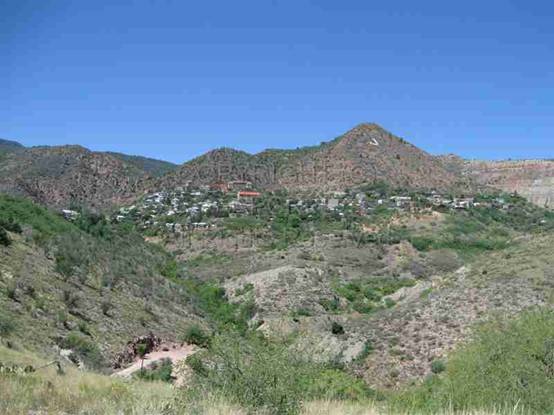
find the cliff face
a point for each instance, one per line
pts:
(533, 179)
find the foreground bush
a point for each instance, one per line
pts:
(264, 376)
(510, 364)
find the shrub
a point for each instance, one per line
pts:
(6, 325)
(337, 329)
(195, 335)
(4, 238)
(85, 349)
(366, 351)
(509, 364)
(157, 372)
(10, 225)
(330, 305)
(11, 290)
(437, 366)
(257, 374)
(265, 377)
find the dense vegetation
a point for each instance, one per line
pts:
(262, 375)
(510, 364)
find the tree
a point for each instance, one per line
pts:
(142, 349)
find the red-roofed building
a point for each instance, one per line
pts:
(246, 196)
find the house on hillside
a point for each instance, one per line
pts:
(245, 196)
(463, 203)
(70, 214)
(402, 201)
(220, 186)
(239, 185)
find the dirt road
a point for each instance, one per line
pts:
(175, 354)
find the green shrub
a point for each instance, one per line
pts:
(258, 375)
(4, 238)
(85, 349)
(157, 372)
(334, 384)
(265, 377)
(330, 305)
(509, 364)
(11, 225)
(194, 334)
(337, 329)
(437, 366)
(7, 325)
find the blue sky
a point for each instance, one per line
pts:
(172, 79)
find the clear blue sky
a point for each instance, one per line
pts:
(172, 79)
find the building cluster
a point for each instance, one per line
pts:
(191, 206)
(196, 208)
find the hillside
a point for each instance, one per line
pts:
(84, 285)
(150, 166)
(364, 154)
(8, 146)
(69, 175)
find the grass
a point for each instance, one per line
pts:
(509, 364)
(86, 393)
(76, 391)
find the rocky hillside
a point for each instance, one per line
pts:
(84, 285)
(9, 146)
(66, 175)
(533, 179)
(364, 154)
(152, 167)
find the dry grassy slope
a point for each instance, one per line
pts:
(431, 323)
(364, 154)
(47, 392)
(59, 176)
(428, 320)
(41, 314)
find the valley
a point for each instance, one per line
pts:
(356, 273)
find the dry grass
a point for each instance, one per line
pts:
(349, 408)
(79, 392)
(76, 391)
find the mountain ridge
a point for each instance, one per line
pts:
(59, 176)
(366, 153)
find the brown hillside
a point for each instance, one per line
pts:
(364, 154)
(61, 176)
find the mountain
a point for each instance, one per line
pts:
(68, 175)
(148, 165)
(8, 146)
(367, 153)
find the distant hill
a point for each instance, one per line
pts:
(150, 166)
(8, 145)
(65, 175)
(364, 154)
(69, 175)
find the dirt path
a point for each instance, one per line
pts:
(174, 354)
